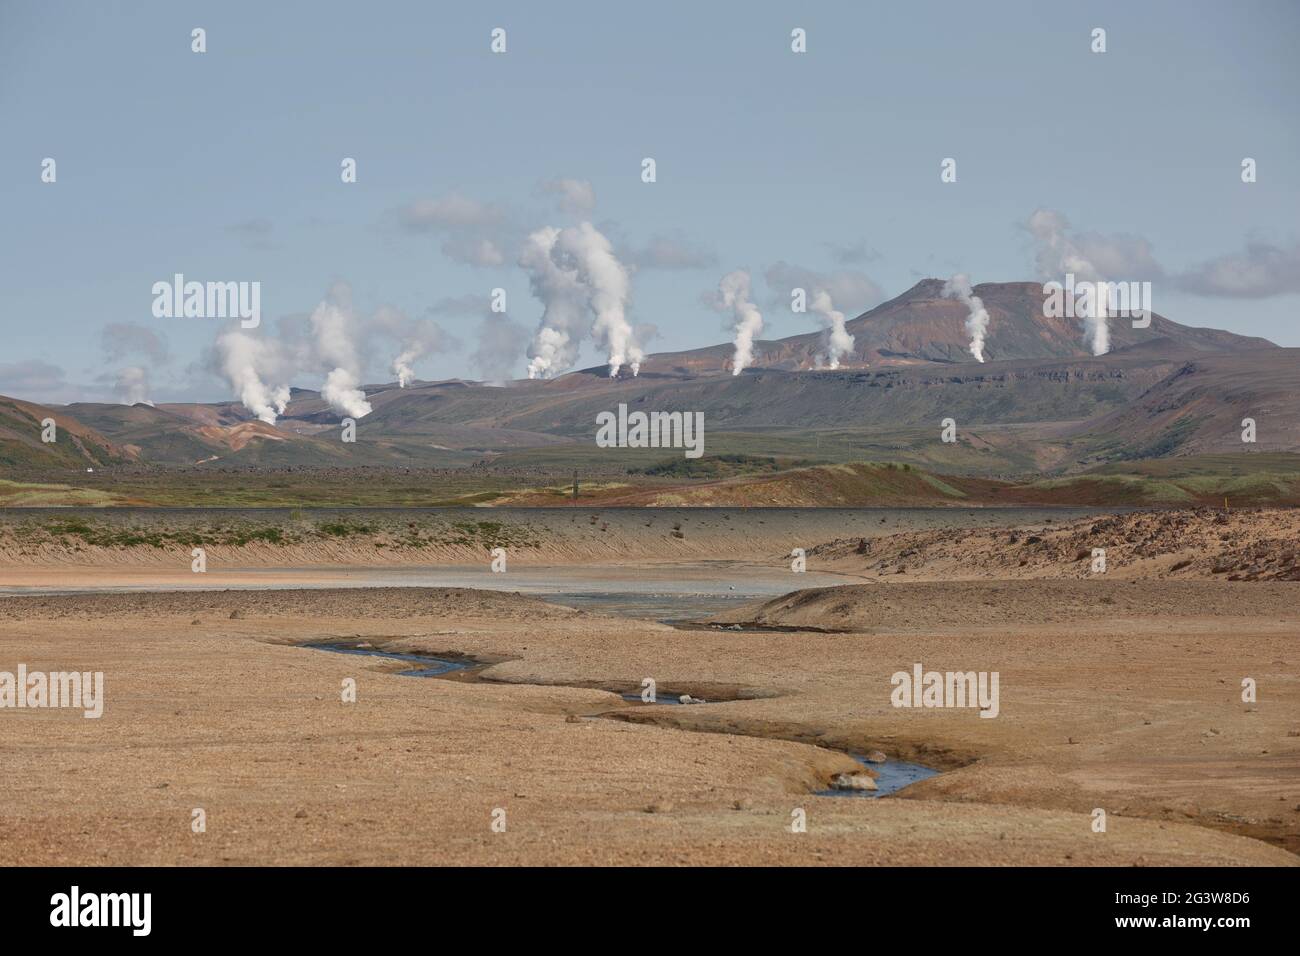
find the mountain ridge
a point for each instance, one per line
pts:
(1169, 389)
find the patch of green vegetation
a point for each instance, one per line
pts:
(1169, 441)
(938, 484)
(719, 466)
(1119, 489)
(489, 535)
(31, 494)
(343, 529)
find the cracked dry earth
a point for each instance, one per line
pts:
(1132, 706)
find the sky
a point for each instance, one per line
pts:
(819, 168)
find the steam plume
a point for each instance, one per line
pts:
(415, 339)
(838, 340)
(132, 385)
(333, 324)
(246, 362)
(747, 321)
(1059, 253)
(608, 287)
(977, 321)
(563, 297)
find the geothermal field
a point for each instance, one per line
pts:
(444, 440)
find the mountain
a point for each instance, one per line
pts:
(924, 326)
(75, 446)
(1199, 408)
(1166, 390)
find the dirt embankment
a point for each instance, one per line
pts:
(1253, 545)
(977, 606)
(376, 538)
(382, 537)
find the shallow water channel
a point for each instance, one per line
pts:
(891, 776)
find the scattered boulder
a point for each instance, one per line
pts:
(853, 781)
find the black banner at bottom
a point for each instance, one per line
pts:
(338, 905)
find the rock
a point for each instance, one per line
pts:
(744, 803)
(688, 699)
(853, 781)
(236, 615)
(875, 756)
(196, 621)
(300, 815)
(659, 806)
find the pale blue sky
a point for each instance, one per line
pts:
(225, 165)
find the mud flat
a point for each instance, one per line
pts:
(209, 707)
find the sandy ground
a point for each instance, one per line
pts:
(1131, 705)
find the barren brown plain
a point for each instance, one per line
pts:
(1120, 691)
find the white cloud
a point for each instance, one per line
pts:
(1262, 270)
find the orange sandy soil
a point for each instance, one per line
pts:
(1132, 705)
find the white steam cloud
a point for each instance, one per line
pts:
(1059, 252)
(329, 344)
(571, 271)
(132, 385)
(415, 339)
(248, 363)
(977, 319)
(747, 321)
(333, 325)
(838, 340)
(608, 289)
(555, 345)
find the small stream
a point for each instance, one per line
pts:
(434, 666)
(891, 776)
